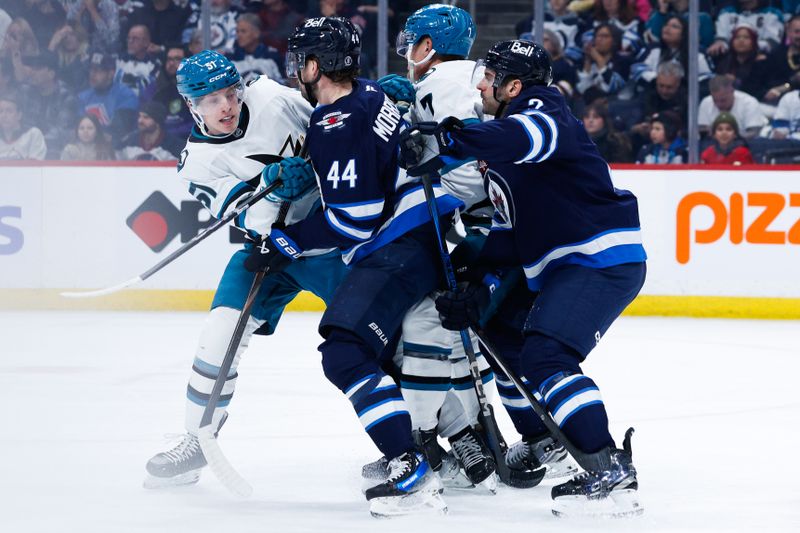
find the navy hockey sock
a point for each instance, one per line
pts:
(575, 403)
(383, 413)
(350, 365)
(572, 398)
(519, 409)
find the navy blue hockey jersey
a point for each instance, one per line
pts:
(554, 200)
(367, 198)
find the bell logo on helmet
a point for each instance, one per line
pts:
(519, 48)
(314, 23)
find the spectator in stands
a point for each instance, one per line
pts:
(278, 22)
(91, 144)
(46, 17)
(666, 94)
(70, 43)
(666, 147)
(560, 20)
(724, 97)
(252, 57)
(674, 46)
(195, 45)
(622, 15)
(786, 121)
(100, 18)
(17, 141)
(7, 83)
(150, 142)
(138, 67)
(5, 22)
(223, 25)
(113, 103)
(767, 21)
(667, 8)
(164, 90)
(165, 19)
(745, 63)
(728, 148)
(603, 68)
(48, 103)
(612, 145)
(565, 76)
(784, 62)
(20, 41)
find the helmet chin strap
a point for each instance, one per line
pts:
(309, 85)
(501, 107)
(412, 65)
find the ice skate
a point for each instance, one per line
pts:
(610, 491)
(473, 455)
(529, 454)
(413, 487)
(452, 475)
(179, 466)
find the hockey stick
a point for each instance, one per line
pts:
(255, 197)
(588, 461)
(217, 461)
(496, 443)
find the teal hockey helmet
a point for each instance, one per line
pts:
(450, 28)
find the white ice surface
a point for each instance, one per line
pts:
(87, 397)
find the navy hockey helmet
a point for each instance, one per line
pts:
(520, 59)
(333, 41)
(451, 30)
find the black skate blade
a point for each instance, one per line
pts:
(524, 479)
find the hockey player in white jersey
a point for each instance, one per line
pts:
(436, 41)
(240, 133)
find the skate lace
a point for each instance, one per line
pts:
(468, 450)
(398, 468)
(517, 453)
(186, 448)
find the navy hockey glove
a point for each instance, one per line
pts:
(463, 308)
(399, 90)
(297, 176)
(273, 254)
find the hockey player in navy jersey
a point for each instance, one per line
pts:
(558, 215)
(377, 216)
(241, 134)
(436, 41)
(435, 379)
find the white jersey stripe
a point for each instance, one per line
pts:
(596, 245)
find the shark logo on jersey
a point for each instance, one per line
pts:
(333, 120)
(503, 208)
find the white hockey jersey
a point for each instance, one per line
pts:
(447, 90)
(220, 172)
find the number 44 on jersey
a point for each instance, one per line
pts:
(349, 174)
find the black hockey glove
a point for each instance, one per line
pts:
(273, 254)
(415, 155)
(463, 308)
